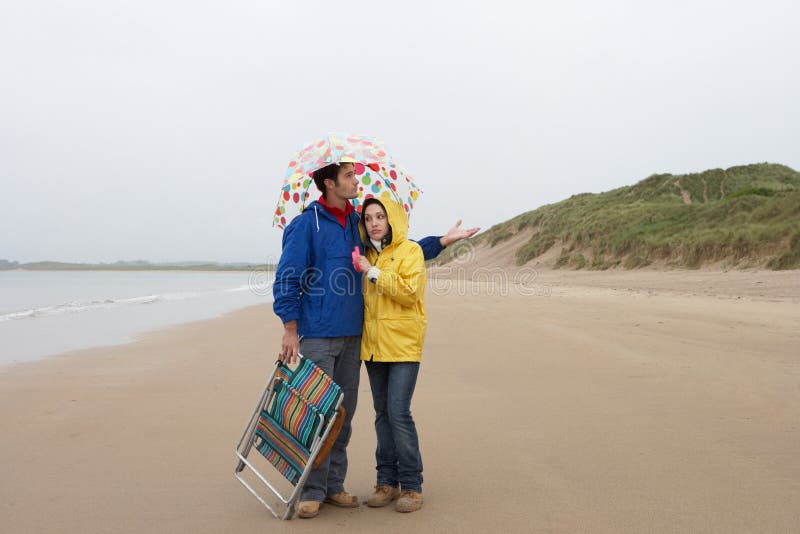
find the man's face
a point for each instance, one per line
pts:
(347, 183)
(375, 221)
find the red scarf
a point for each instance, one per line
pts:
(340, 214)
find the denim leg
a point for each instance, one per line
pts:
(339, 357)
(402, 381)
(385, 454)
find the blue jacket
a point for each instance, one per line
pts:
(316, 283)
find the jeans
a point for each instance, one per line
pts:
(399, 462)
(340, 358)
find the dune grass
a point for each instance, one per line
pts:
(746, 216)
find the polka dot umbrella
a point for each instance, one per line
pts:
(379, 176)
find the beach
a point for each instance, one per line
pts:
(636, 401)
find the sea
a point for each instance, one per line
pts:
(49, 312)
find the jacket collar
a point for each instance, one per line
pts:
(338, 213)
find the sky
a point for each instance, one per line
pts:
(161, 130)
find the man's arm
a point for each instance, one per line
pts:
(287, 288)
(432, 246)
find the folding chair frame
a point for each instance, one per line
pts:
(245, 446)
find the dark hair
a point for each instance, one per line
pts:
(328, 172)
(362, 221)
(372, 200)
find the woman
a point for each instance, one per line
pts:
(391, 345)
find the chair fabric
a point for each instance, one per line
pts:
(280, 448)
(294, 413)
(303, 402)
(316, 386)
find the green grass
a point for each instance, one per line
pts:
(746, 215)
(790, 259)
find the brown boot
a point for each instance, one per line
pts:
(383, 495)
(409, 501)
(307, 509)
(343, 499)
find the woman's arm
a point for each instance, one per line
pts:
(405, 285)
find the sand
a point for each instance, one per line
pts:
(581, 402)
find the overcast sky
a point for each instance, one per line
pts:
(160, 130)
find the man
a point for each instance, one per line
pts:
(319, 298)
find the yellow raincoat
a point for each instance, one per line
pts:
(394, 307)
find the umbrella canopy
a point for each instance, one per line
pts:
(378, 174)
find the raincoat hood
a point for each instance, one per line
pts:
(395, 214)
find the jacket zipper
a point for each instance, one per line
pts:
(377, 315)
(377, 304)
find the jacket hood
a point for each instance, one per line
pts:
(398, 221)
(319, 211)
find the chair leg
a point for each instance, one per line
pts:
(249, 431)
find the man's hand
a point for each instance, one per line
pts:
(456, 233)
(290, 344)
(363, 264)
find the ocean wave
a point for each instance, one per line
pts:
(83, 306)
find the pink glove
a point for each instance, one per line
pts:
(355, 255)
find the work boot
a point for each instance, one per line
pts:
(343, 499)
(307, 509)
(383, 495)
(409, 501)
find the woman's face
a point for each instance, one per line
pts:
(376, 222)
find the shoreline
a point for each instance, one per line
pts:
(137, 270)
(110, 340)
(47, 313)
(134, 337)
(764, 286)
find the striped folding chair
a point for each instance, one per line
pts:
(294, 425)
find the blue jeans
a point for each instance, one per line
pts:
(340, 357)
(398, 459)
